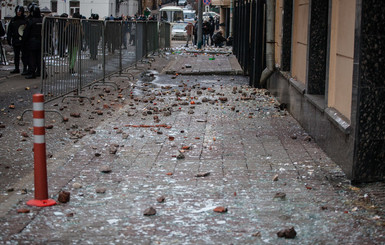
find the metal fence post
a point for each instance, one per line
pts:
(120, 48)
(80, 45)
(104, 51)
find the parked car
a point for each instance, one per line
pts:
(182, 2)
(178, 32)
(206, 15)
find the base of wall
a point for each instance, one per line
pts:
(329, 129)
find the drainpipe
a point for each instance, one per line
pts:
(270, 42)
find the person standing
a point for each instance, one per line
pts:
(15, 39)
(196, 31)
(74, 32)
(190, 30)
(212, 27)
(206, 32)
(32, 40)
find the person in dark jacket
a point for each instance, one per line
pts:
(95, 34)
(32, 39)
(196, 31)
(14, 37)
(206, 32)
(212, 28)
(25, 47)
(218, 39)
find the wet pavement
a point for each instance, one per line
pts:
(185, 145)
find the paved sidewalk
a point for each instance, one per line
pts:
(204, 64)
(201, 142)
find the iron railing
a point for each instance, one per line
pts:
(249, 37)
(77, 53)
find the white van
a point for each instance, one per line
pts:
(171, 14)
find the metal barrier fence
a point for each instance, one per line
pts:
(77, 53)
(164, 35)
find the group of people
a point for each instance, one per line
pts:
(209, 37)
(24, 35)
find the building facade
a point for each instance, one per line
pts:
(328, 60)
(103, 8)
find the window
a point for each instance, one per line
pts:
(74, 7)
(54, 6)
(26, 2)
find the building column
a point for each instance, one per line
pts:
(368, 102)
(222, 19)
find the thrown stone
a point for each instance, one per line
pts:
(275, 178)
(201, 120)
(97, 154)
(64, 197)
(307, 138)
(220, 210)
(105, 169)
(287, 233)
(113, 150)
(293, 136)
(24, 134)
(223, 99)
(180, 156)
(161, 199)
(280, 195)
(149, 211)
(101, 190)
(256, 234)
(23, 211)
(77, 185)
(203, 174)
(75, 114)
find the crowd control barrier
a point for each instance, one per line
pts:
(77, 52)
